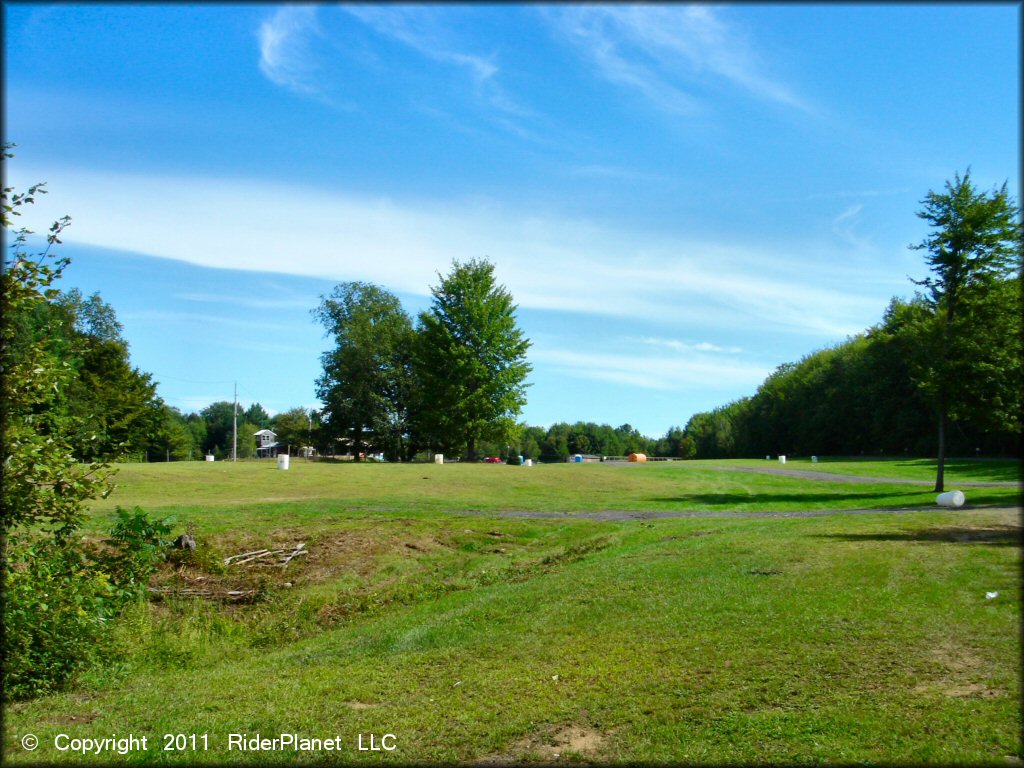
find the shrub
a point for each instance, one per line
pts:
(59, 600)
(140, 544)
(56, 606)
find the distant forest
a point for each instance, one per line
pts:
(867, 397)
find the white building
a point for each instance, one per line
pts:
(266, 444)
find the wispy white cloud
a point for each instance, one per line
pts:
(176, 319)
(650, 371)
(261, 303)
(424, 30)
(419, 28)
(284, 48)
(671, 54)
(856, 193)
(614, 172)
(547, 261)
(844, 225)
(682, 346)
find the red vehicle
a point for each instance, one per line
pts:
(492, 460)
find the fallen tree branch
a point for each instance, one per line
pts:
(299, 550)
(244, 554)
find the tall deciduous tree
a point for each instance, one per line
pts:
(975, 242)
(470, 360)
(365, 385)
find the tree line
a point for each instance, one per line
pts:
(940, 374)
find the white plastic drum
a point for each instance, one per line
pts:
(950, 499)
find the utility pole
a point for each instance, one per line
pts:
(234, 444)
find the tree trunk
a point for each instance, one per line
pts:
(947, 330)
(471, 450)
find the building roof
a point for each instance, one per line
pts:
(265, 432)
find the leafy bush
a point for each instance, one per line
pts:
(56, 606)
(140, 545)
(59, 600)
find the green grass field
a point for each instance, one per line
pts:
(485, 613)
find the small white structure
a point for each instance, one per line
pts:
(814, 459)
(209, 457)
(439, 458)
(782, 459)
(282, 461)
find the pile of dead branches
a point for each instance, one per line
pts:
(268, 557)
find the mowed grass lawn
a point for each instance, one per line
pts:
(427, 610)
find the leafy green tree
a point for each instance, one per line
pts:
(470, 361)
(112, 408)
(975, 241)
(219, 418)
(555, 445)
(43, 482)
(675, 444)
(115, 404)
(196, 426)
(56, 603)
(255, 414)
(293, 428)
(246, 439)
(366, 382)
(174, 441)
(530, 441)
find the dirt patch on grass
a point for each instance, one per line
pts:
(554, 743)
(961, 668)
(959, 690)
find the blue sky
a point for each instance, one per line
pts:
(679, 197)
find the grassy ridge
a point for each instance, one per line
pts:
(841, 638)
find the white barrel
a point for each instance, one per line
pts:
(439, 458)
(950, 499)
(528, 463)
(209, 457)
(282, 461)
(782, 459)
